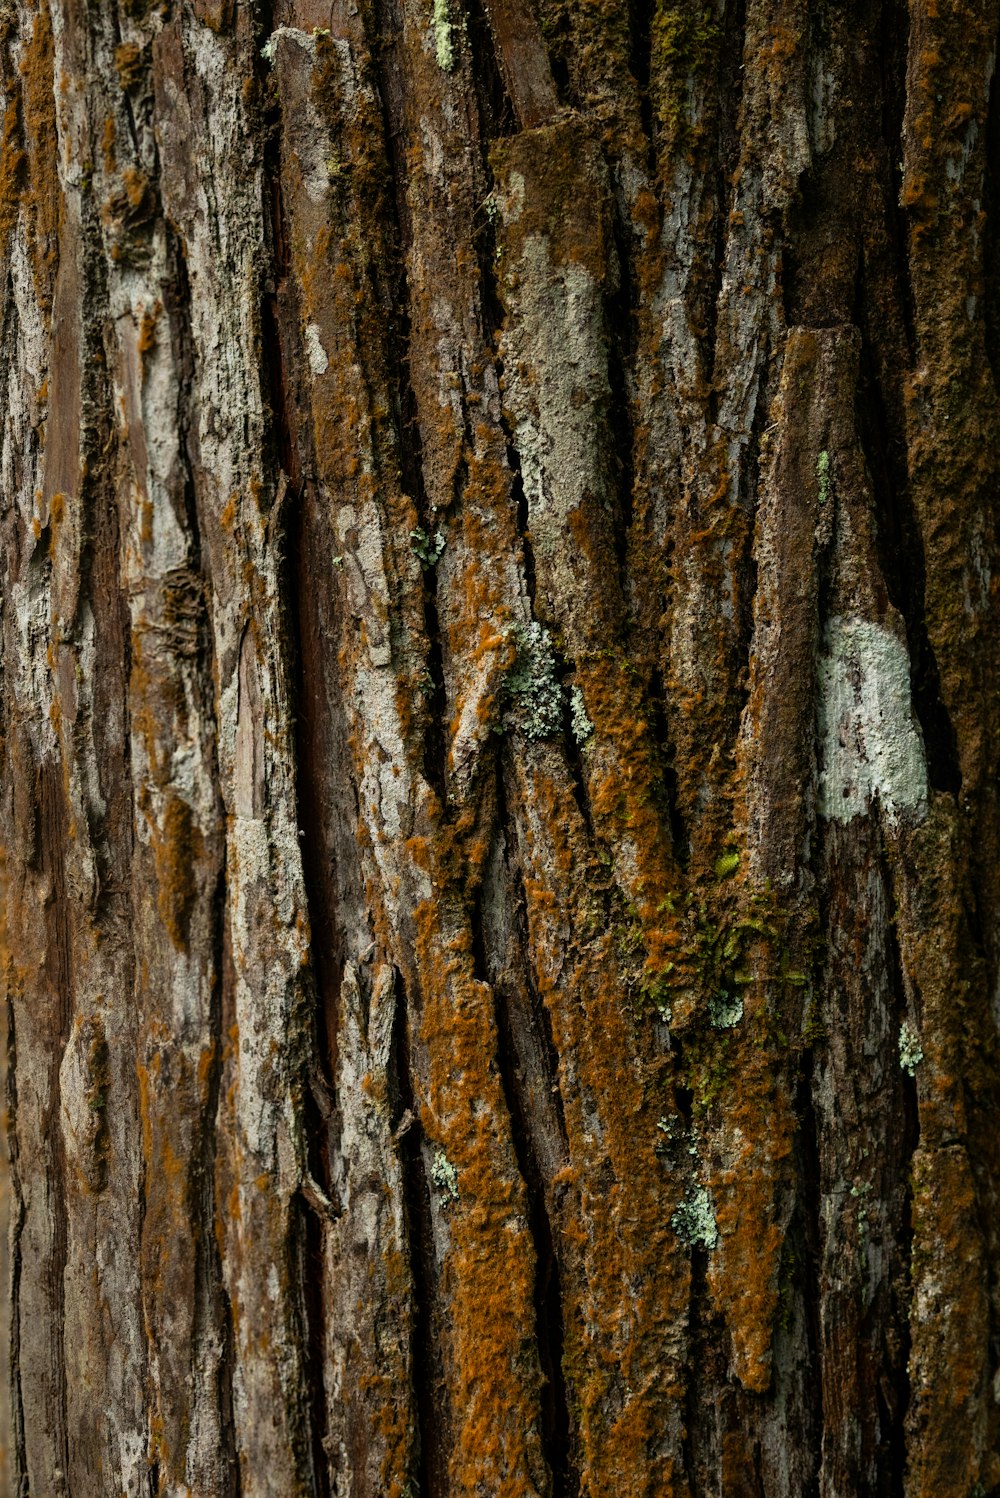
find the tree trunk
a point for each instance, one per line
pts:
(500, 728)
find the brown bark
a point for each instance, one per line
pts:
(499, 721)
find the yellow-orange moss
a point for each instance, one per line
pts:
(12, 161)
(147, 328)
(108, 155)
(488, 1276)
(755, 1133)
(625, 1306)
(177, 846)
(128, 64)
(949, 1365)
(43, 195)
(628, 799)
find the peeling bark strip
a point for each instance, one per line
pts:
(498, 811)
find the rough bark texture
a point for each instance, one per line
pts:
(500, 728)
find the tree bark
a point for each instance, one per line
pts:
(500, 736)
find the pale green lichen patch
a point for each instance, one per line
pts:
(427, 547)
(445, 1176)
(869, 742)
(303, 38)
(911, 1052)
(725, 1010)
(582, 727)
(532, 687)
(823, 476)
(684, 43)
(694, 1220)
(444, 36)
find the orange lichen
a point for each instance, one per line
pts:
(108, 155)
(206, 1069)
(12, 162)
(556, 158)
(128, 64)
(147, 328)
(227, 518)
(489, 1296)
(178, 844)
(624, 1234)
(43, 196)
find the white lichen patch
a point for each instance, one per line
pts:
(911, 1052)
(583, 729)
(303, 38)
(868, 740)
(445, 1176)
(694, 1220)
(319, 362)
(509, 197)
(444, 36)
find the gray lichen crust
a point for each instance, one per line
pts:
(694, 1220)
(532, 686)
(911, 1052)
(869, 741)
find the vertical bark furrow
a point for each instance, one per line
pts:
(178, 864)
(242, 506)
(304, 580)
(901, 562)
(528, 1068)
(17, 1459)
(944, 167)
(431, 1392)
(51, 1231)
(617, 1367)
(891, 1377)
(430, 498)
(44, 875)
(353, 458)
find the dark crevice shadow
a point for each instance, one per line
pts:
(278, 319)
(429, 1388)
(901, 559)
(893, 1390)
(726, 153)
(991, 231)
(656, 706)
(697, 1305)
(387, 23)
(497, 116)
(804, 1231)
(620, 317)
(17, 1218)
(528, 1065)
